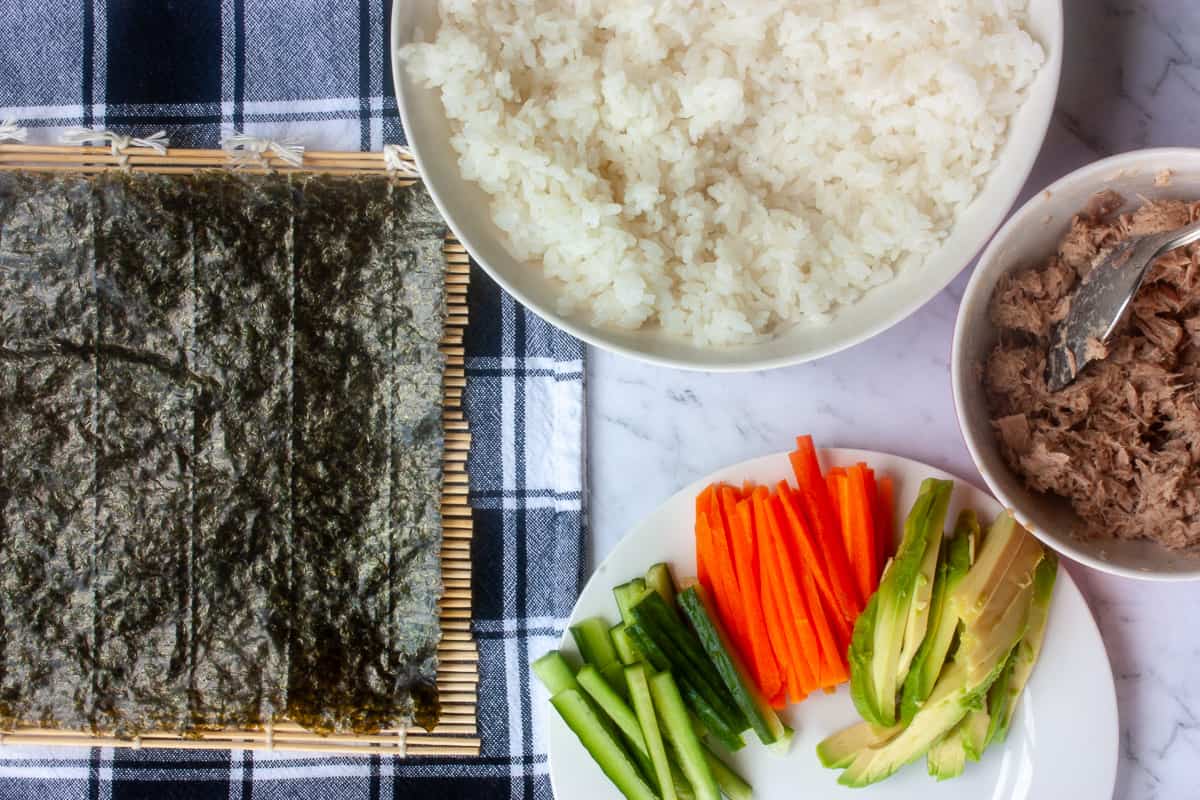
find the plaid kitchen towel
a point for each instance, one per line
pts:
(318, 71)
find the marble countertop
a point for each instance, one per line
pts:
(1131, 79)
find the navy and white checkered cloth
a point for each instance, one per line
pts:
(319, 72)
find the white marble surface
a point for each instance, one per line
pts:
(1131, 79)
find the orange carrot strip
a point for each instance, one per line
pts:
(807, 553)
(831, 481)
(877, 529)
(725, 578)
(782, 638)
(885, 515)
(802, 642)
(704, 500)
(704, 555)
(833, 667)
(779, 701)
(858, 511)
(820, 513)
(745, 560)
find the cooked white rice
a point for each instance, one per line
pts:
(725, 167)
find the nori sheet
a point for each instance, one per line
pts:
(220, 397)
(48, 457)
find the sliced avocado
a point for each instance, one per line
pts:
(952, 698)
(943, 621)
(839, 750)
(893, 603)
(973, 730)
(995, 571)
(981, 648)
(1028, 649)
(947, 758)
(921, 607)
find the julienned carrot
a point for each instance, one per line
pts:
(704, 556)
(809, 555)
(833, 667)
(860, 527)
(745, 560)
(802, 643)
(726, 499)
(841, 504)
(885, 516)
(832, 478)
(819, 509)
(785, 642)
(876, 527)
(724, 578)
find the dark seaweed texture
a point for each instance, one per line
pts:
(220, 402)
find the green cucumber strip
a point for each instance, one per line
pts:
(732, 785)
(583, 720)
(554, 671)
(673, 715)
(687, 658)
(658, 578)
(677, 633)
(643, 706)
(619, 712)
(627, 594)
(696, 700)
(698, 609)
(594, 643)
(627, 651)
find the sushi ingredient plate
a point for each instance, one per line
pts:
(1063, 741)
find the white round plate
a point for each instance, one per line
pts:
(1063, 741)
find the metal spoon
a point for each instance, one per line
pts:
(1102, 300)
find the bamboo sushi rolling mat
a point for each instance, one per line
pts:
(458, 655)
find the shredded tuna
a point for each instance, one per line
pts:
(1122, 443)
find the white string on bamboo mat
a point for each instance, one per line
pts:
(10, 131)
(246, 150)
(399, 160)
(118, 142)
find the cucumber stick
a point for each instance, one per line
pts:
(687, 657)
(554, 671)
(698, 608)
(619, 712)
(627, 595)
(658, 578)
(627, 651)
(732, 785)
(596, 647)
(697, 700)
(594, 642)
(643, 706)
(671, 711)
(583, 720)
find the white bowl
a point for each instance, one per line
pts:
(465, 207)
(1029, 236)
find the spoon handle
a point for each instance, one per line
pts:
(1179, 238)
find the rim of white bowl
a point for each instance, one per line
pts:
(736, 361)
(959, 374)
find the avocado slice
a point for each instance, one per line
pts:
(1005, 562)
(952, 698)
(877, 645)
(974, 730)
(947, 758)
(1025, 655)
(839, 750)
(943, 621)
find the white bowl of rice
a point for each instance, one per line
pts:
(725, 184)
